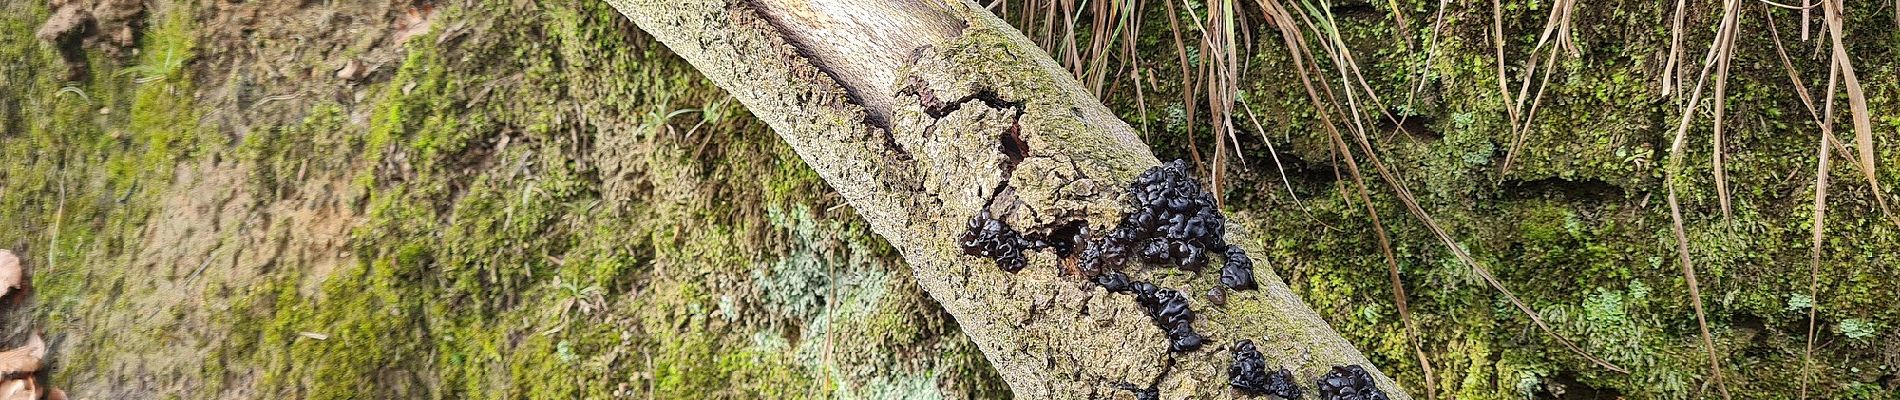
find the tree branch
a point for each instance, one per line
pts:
(921, 113)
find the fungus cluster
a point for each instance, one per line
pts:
(1169, 310)
(1249, 374)
(1349, 383)
(988, 237)
(1173, 222)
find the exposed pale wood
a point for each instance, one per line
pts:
(904, 108)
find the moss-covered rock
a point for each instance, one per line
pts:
(1577, 225)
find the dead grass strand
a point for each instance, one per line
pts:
(1861, 119)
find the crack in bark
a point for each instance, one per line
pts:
(873, 118)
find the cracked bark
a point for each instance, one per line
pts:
(857, 87)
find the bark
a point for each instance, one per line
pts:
(920, 113)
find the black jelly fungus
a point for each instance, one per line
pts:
(1237, 272)
(1182, 338)
(1140, 392)
(1113, 281)
(1169, 310)
(986, 236)
(1249, 374)
(1349, 382)
(1148, 394)
(1171, 221)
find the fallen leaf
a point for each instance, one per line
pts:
(23, 359)
(413, 22)
(55, 394)
(10, 273)
(353, 70)
(20, 389)
(314, 335)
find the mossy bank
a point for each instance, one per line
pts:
(513, 201)
(531, 200)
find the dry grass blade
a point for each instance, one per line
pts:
(1049, 27)
(1221, 70)
(1409, 200)
(1188, 85)
(1069, 52)
(1431, 52)
(1274, 154)
(1556, 35)
(1671, 174)
(1095, 71)
(1404, 26)
(1814, 261)
(1821, 173)
(1350, 72)
(1856, 103)
(1294, 41)
(1392, 269)
(1411, 204)
(1807, 14)
(1141, 100)
(1695, 292)
(1724, 52)
(1497, 41)
(1672, 70)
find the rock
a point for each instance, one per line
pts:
(65, 22)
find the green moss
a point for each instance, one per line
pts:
(85, 161)
(501, 245)
(1577, 226)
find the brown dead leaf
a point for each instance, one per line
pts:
(413, 22)
(352, 70)
(10, 274)
(19, 389)
(23, 359)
